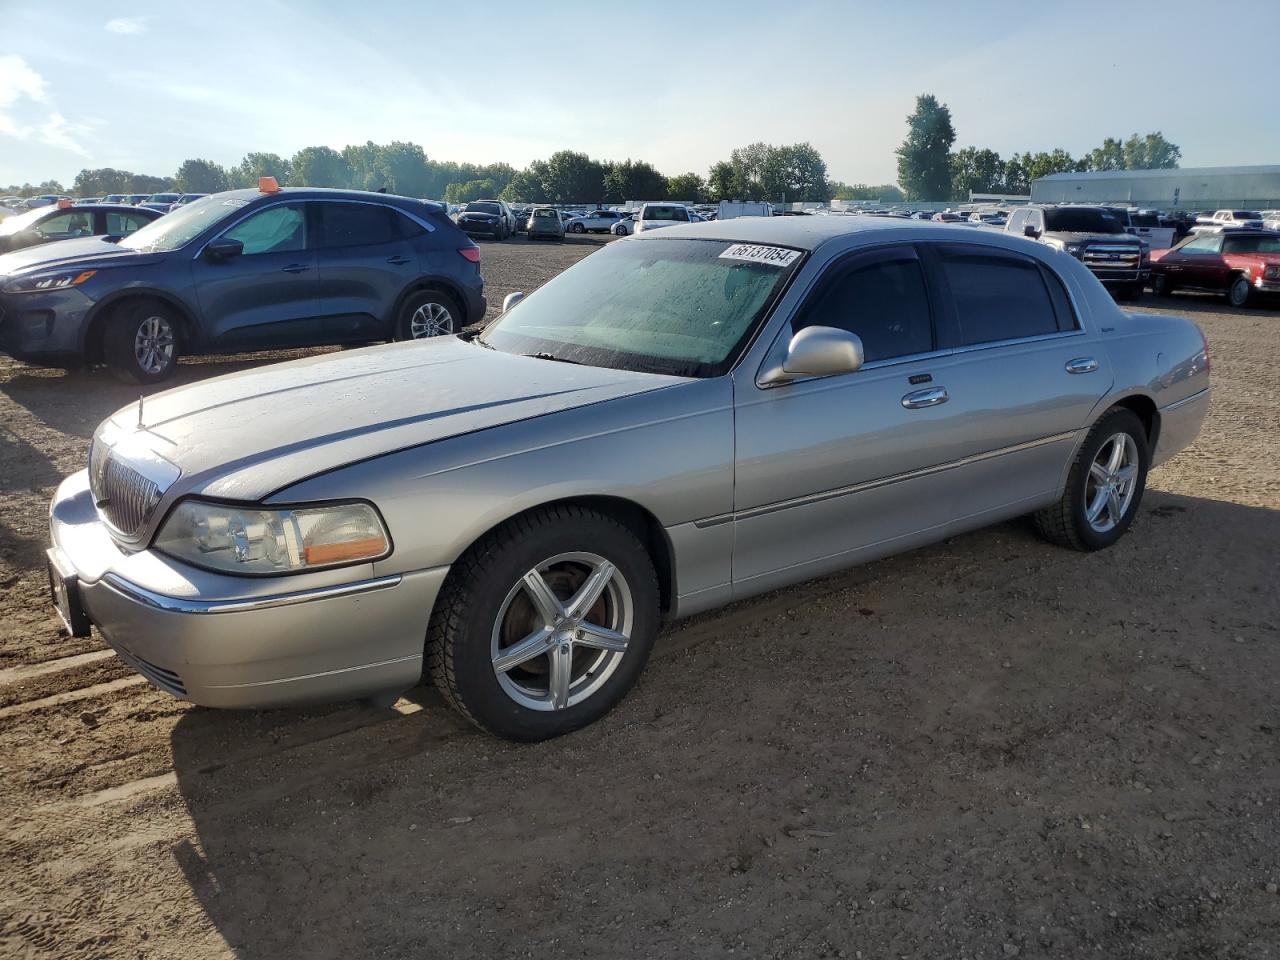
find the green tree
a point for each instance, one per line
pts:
(319, 167)
(924, 159)
(1042, 164)
(884, 192)
(975, 170)
(686, 186)
(471, 190)
(573, 177)
(247, 172)
(526, 186)
(1150, 152)
(200, 176)
(800, 172)
(633, 180)
(365, 166)
(1109, 156)
(723, 182)
(106, 180)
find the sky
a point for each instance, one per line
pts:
(144, 85)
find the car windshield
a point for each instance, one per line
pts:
(1255, 244)
(179, 228)
(16, 224)
(482, 208)
(1246, 215)
(665, 213)
(682, 307)
(1081, 220)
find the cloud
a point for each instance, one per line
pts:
(27, 111)
(127, 25)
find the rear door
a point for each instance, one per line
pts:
(266, 296)
(367, 258)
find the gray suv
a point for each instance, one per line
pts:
(1095, 237)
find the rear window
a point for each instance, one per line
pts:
(544, 215)
(1081, 220)
(665, 213)
(997, 297)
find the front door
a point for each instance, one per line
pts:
(267, 295)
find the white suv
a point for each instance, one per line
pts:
(655, 215)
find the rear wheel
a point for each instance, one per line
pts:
(140, 344)
(428, 313)
(1240, 292)
(545, 624)
(1104, 487)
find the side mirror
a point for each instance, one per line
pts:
(817, 352)
(511, 299)
(224, 248)
(1031, 231)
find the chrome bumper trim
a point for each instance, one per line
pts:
(170, 604)
(1185, 400)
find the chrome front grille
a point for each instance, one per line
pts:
(125, 498)
(1112, 256)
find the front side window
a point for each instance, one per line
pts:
(884, 303)
(996, 297)
(355, 225)
(683, 307)
(1204, 243)
(278, 229)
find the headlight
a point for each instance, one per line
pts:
(55, 282)
(1271, 271)
(256, 540)
(1073, 248)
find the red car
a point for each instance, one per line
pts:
(1238, 263)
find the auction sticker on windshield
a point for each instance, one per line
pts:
(756, 253)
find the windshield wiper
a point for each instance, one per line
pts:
(552, 356)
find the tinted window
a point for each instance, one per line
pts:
(355, 225)
(997, 297)
(278, 229)
(1247, 215)
(123, 224)
(1081, 220)
(884, 303)
(64, 225)
(665, 213)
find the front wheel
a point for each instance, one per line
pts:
(1104, 487)
(544, 624)
(140, 344)
(578, 228)
(1161, 286)
(428, 313)
(1240, 292)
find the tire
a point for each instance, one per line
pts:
(1068, 522)
(1160, 285)
(140, 343)
(486, 609)
(428, 313)
(1239, 293)
(578, 228)
(1130, 292)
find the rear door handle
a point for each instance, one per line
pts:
(297, 268)
(398, 260)
(925, 398)
(1082, 365)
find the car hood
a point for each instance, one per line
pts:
(246, 435)
(1072, 236)
(87, 252)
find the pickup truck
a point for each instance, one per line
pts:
(1095, 237)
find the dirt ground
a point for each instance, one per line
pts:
(988, 748)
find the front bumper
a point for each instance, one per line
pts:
(224, 641)
(43, 327)
(1263, 285)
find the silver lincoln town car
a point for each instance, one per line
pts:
(682, 419)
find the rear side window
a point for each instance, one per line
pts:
(884, 303)
(355, 225)
(997, 297)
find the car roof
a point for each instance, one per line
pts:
(322, 193)
(809, 233)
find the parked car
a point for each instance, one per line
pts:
(68, 222)
(545, 222)
(652, 216)
(1145, 224)
(242, 270)
(1271, 219)
(598, 221)
(44, 200)
(488, 218)
(1240, 264)
(161, 201)
(731, 209)
(133, 199)
(186, 198)
(116, 198)
(625, 226)
(1229, 219)
(949, 216)
(1093, 236)
(700, 414)
(82, 201)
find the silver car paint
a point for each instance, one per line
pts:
(449, 439)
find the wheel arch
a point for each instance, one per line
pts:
(1145, 409)
(438, 284)
(95, 327)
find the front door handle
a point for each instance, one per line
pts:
(925, 398)
(1082, 365)
(398, 260)
(297, 268)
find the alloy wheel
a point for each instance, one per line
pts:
(562, 631)
(153, 345)
(430, 320)
(1112, 481)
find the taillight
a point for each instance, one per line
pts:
(471, 253)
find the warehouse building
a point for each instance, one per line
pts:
(1189, 188)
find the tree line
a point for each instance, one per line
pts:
(928, 168)
(758, 171)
